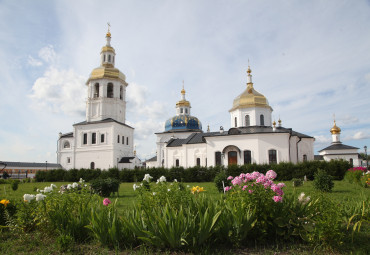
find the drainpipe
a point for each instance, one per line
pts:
(300, 139)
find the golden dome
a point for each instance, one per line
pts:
(335, 129)
(108, 72)
(107, 48)
(108, 34)
(250, 98)
(183, 103)
(183, 91)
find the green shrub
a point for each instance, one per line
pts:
(297, 182)
(353, 175)
(15, 184)
(104, 187)
(323, 181)
(221, 181)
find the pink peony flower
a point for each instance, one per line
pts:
(245, 187)
(271, 174)
(106, 201)
(230, 177)
(250, 191)
(277, 199)
(227, 188)
(281, 185)
(236, 181)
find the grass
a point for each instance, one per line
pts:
(343, 193)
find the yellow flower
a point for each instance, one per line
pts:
(197, 189)
(4, 202)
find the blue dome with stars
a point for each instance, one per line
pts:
(182, 123)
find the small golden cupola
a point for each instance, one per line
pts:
(335, 129)
(107, 61)
(335, 133)
(250, 97)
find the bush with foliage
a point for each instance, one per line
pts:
(323, 181)
(14, 184)
(297, 182)
(354, 174)
(104, 187)
(221, 181)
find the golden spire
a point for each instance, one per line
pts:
(249, 68)
(183, 90)
(108, 33)
(274, 123)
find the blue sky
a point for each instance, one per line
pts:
(309, 58)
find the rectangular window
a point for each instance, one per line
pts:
(68, 160)
(85, 139)
(123, 140)
(118, 139)
(177, 162)
(247, 157)
(93, 138)
(102, 138)
(127, 140)
(198, 161)
(304, 158)
(218, 158)
(272, 157)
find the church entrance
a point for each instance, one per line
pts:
(232, 157)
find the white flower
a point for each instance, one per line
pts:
(85, 185)
(48, 189)
(302, 199)
(147, 177)
(53, 186)
(161, 179)
(187, 186)
(141, 184)
(82, 180)
(38, 190)
(168, 190)
(154, 193)
(28, 197)
(69, 186)
(42, 191)
(74, 185)
(135, 186)
(40, 197)
(174, 180)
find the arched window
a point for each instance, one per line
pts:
(104, 58)
(92, 165)
(181, 110)
(351, 161)
(236, 121)
(247, 157)
(218, 158)
(110, 90)
(85, 139)
(272, 157)
(304, 158)
(262, 120)
(177, 162)
(96, 90)
(118, 139)
(186, 110)
(102, 138)
(93, 138)
(121, 93)
(198, 161)
(66, 145)
(247, 121)
(108, 58)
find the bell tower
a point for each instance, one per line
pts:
(106, 96)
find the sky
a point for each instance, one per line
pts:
(311, 59)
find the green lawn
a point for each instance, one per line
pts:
(343, 192)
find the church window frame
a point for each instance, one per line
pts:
(102, 138)
(236, 121)
(351, 161)
(110, 90)
(198, 161)
(92, 165)
(109, 58)
(93, 138)
(123, 140)
(68, 160)
(121, 93)
(181, 110)
(186, 110)
(247, 120)
(96, 90)
(66, 145)
(126, 140)
(262, 120)
(84, 139)
(272, 153)
(117, 138)
(247, 157)
(103, 57)
(177, 162)
(218, 158)
(304, 158)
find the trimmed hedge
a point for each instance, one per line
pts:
(285, 172)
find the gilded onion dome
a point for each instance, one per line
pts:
(335, 129)
(250, 97)
(106, 70)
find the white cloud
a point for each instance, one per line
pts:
(360, 135)
(320, 139)
(48, 54)
(60, 91)
(34, 62)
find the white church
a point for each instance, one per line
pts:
(103, 140)
(253, 138)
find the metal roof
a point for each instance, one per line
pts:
(101, 121)
(338, 146)
(32, 164)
